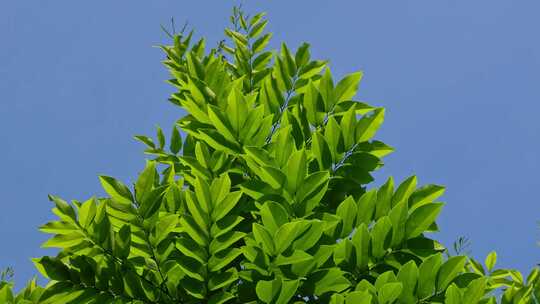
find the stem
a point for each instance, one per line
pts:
(282, 110)
(344, 159)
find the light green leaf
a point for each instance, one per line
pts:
(286, 234)
(425, 195)
(366, 207)
(361, 243)
(221, 123)
(427, 274)
(449, 270)
(116, 189)
(263, 237)
(475, 291)
(226, 205)
(368, 125)
(491, 260)
(389, 292)
(347, 87)
(404, 191)
(421, 218)
(296, 170)
(145, 182)
(347, 211)
(302, 55)
(453, 295)
(381, 236)
(223, 258)
(273, 216)
(384, 198)
(297, 256)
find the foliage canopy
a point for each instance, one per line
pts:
(263, 200)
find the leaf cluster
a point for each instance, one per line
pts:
(259, 196)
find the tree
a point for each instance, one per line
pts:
(262, 200)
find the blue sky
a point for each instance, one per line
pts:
(460, 81)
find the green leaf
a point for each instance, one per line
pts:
(384, 198)
(347, 124)
(347, 87)
(389, 292)
(326, 88)
(297, 256)
(268, 291)
(161, 138)
(425, 195)
(296, 170)
(475, 291)
(222, 280)
(176, 141)
(116, 189)
(223, 258)
(327, 280)
(273, 216)
(311, 69)
(311, 237)
(64, 208)
(453, 295)
(311, 192)
(449, 270)
(366, 207)
(491, 260)
(257, 29)
(146, 140)
(313, 104)
(358, 297)
(288, 290)
(286, 234)
(152, 202)
(368, 125)
(87, 212)
(204, 197)
(122, 242)
(52, 268)
(427, 274)
(381, 236)
(272, 176)
(200, 216)
(190, 226)
(421, 218)
(191, 267)
(226, 205)
(236, 110)
(343, 253)
(302, 55)
(398, 217)
(221, 123)
(64, 240)
(404, 191)
(261, 43)
(408, 276)
(145, 182)
(361, 241)
(347, 212)
(225, 241)
(332, 134)
(263, 237)
(288, 60)
(190, 248)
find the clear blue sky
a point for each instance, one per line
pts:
(460, 80)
